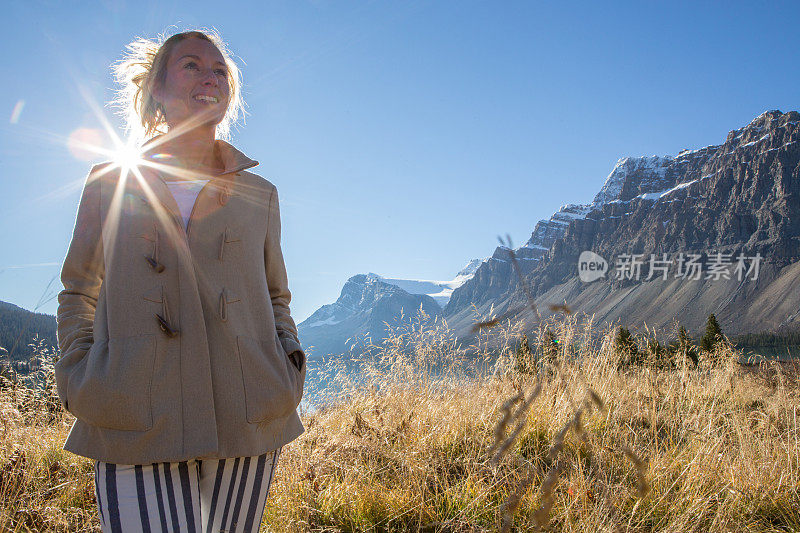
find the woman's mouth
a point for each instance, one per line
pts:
(207, 99)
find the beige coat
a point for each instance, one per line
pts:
(174, 344)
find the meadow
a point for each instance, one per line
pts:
(564, 431)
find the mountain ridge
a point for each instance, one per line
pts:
(739, 196)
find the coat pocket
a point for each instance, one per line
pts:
(110, 387)
(272, 385)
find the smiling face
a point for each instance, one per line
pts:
(195, 86)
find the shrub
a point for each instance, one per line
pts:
(548, 348)
(659, 354)
(524, 362)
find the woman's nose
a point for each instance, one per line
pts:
(209, 77)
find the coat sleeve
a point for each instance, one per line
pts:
(278, 284)
(82, 275)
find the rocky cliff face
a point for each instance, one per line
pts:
(740, 197)
(631, 177)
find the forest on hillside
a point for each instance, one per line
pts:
(19, 328)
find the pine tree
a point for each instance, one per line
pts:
(626, 343)
(684, 345)
(713, 334)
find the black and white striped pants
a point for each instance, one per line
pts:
(198, 496)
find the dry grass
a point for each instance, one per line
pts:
(416, 444)
(42, 487)
(713, 448)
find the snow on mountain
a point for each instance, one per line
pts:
(647, 169)
(469, 270)
(547, 231)
(650, 178)
(440, 291)
(367, 308)
(658, 195)
(631, 177)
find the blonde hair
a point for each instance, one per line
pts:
(143, 66)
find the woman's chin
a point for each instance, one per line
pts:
(206, 118)
(209, 113)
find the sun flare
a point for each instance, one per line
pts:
(127, 156)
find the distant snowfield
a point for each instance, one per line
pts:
(440, 291)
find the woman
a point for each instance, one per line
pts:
(179, 357)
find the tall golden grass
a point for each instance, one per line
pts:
(433, 436)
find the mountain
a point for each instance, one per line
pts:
(731, 205)
(631, 177)
(18, 327)
(369, 300)
(494, 277)
(365, 303)
(739, 197)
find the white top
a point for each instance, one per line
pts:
(185, 193)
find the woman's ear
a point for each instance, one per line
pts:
(156, 93)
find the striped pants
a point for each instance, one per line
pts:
(198, 496)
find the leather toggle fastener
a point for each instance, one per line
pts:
(152, 260)
(163, 319)
(155, 265)
(165, 327)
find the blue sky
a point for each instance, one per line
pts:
(403, 137)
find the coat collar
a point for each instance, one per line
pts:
(233, 160)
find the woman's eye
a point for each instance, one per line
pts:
(222, 72)
(190, 64)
